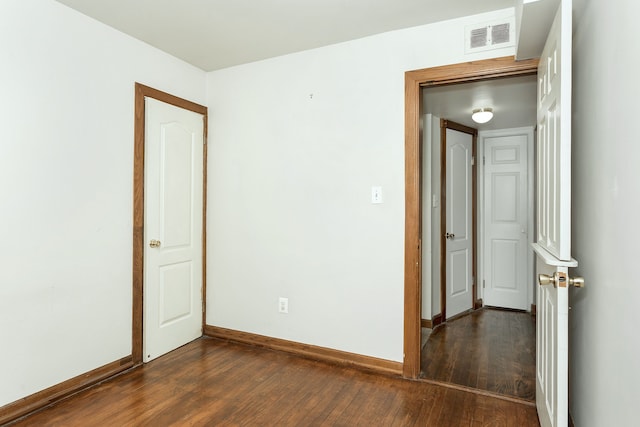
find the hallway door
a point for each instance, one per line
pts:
(506, 278)
(458, 221)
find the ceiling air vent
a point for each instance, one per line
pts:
(489, 35)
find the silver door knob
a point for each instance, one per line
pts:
(449, 235)
(154, 243)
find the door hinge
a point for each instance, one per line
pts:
(483, 284)
(473, 160)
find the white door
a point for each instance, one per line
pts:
(553, 240)
(174, 139)
(506, 220)
(459, 222)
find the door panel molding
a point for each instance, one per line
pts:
(414, 81)
(141, 92)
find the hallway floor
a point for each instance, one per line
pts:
(492, 350)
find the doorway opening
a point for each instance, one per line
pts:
(489, 350)
(414, 82)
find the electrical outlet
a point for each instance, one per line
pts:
(283, 305)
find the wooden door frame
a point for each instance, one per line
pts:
(142, 91)
(414, 82)
(444, 125)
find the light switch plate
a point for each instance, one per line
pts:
(376, 194)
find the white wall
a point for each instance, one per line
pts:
(605, 343)
(66, 163)
(296, 142)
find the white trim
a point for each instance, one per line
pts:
(551, 259)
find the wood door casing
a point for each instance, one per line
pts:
(414, 82)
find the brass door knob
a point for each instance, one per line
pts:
(577, 282)
(154, 243)
(559, 280)
(545, 279)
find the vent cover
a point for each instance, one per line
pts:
(479, 37)
(489, 35)
(500, 33)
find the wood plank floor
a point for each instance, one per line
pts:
(215, 383)
(488, 349)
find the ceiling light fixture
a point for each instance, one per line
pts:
(482, 115)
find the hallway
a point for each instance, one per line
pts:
(490, 349)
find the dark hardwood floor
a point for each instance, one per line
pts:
(488, 349)
(215, 383)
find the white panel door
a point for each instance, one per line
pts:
(174, 139)
(554, 138)
(553, 244)
(506, 217)
(459, 222)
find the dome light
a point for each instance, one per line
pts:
(482, 115)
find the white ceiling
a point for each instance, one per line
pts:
(513, 101)
(214, 34)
